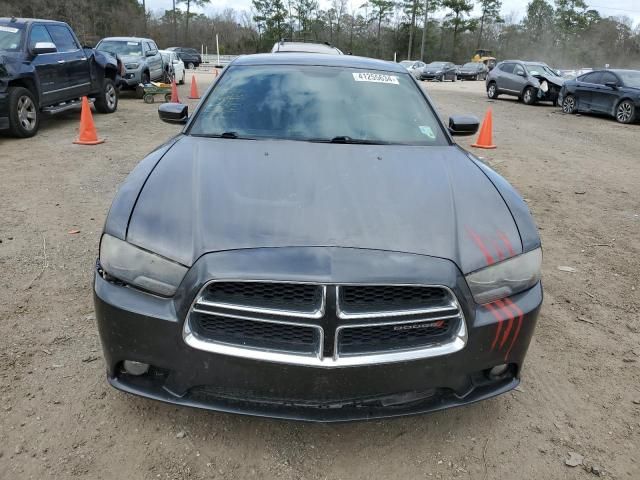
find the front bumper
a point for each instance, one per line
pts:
(137, 326)
(132, 78)
(430, 76)
(4, 110)
(468, 75)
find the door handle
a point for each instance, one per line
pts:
(60, 61)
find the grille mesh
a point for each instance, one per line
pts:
(386, 338)
(285, 296)
(381, 298)
(236, 331)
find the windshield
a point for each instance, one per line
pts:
(541, 70)
(121, 47)
(10, 38)
(318, 103)
(436, 64)
(470, 65)
(630, 78)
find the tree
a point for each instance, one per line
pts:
(271, 17)
(411, 8)
(459, 9)
(189, 4)
(490, 12)
(380, 10)
(304, 10)
(340, 7)
(429, 6)
(540, 17)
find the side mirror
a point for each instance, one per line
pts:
(463, 125)
(173, 113)
(44, 47)
(613, 85)
(520, 73)
(150, 53)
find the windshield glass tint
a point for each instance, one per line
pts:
(10, 38)
(318, 103)
(540, 70)
(129, 49)
(630, 78)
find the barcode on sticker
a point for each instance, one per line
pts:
(375, 77)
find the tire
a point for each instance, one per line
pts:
(181, 82)
(107, 99)
(167, 97)
(191, 65)
(529, 96)
(492, 91)
(455, 78)
(24, 113)
(569, 105)
(148, 98)
(626, 111)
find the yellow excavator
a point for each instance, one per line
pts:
(484, 56)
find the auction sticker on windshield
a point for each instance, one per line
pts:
(8, 29)
(375, 77)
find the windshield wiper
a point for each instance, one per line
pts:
(350, 140)
(232, 135)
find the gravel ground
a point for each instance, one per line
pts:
(581, 385)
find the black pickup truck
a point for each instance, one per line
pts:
(44, 69)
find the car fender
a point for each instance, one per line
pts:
(15, 72)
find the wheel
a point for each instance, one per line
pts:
(569, 104)
(167, 97)
(107, 99)
(492, 91)
(529, 96)
(441, 78)
(148, 98)
(191, 65)
(455, 78)
(625, 111)
(24, 114)
(181, 82)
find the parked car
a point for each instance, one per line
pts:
(174, 67)
(285, 46)
(140, 56)
(473, 71)
(611, 92)
(361, 265)
(530, 81)
(189, 56)
(440, 71)
(414, 66)
(43, 69)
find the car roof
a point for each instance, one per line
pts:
(310, 47)
(621, 70)
(127, 39)
(25, 21)
(346, 61)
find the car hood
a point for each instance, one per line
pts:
(208, 195)
(552, 79)
(433, 69)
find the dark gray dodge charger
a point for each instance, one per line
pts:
(314, 246)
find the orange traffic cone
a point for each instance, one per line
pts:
(485, 139)
(174, 92)
(194, 89)
(88, 134)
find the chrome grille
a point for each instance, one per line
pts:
(296, 323)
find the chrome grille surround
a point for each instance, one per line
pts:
(312, 319)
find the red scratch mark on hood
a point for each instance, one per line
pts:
(476, 238)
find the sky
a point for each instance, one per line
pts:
(515, 8)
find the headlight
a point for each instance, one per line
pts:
(140, 268)
(506, 278)
(439, 71)
(131, 66)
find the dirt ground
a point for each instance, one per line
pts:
(581, 383)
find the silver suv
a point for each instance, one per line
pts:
(529, 81)
(140, 56)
